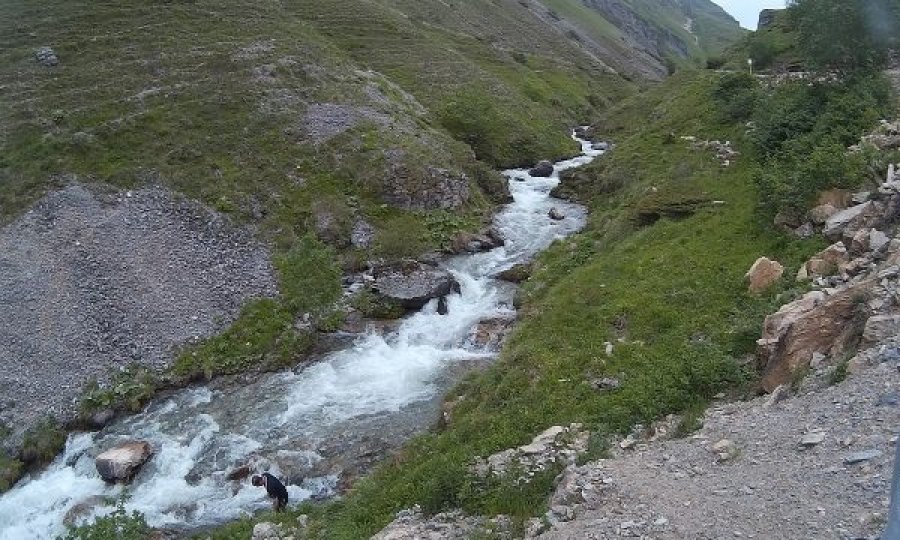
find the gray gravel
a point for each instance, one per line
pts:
(768, 485)
(92, 281)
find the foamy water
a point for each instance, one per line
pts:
(199, 434)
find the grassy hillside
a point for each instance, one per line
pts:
(669, 296)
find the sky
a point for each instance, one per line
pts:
(747, 11)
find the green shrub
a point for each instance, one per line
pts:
(43, 442)
(119, 525)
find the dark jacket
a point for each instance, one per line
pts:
(275, 488)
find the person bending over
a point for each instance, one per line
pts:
(276, 490)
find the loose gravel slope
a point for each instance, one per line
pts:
(91, 281)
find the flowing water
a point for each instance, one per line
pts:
(304, 426)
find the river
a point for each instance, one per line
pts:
(306, 426)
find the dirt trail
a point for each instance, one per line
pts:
(764, 484)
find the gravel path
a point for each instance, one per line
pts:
(764, 484)
(90, 281)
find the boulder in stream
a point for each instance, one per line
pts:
(555, 214)
(543, 169)
(413, 284)
(120, 463)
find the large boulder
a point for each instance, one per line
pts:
(120, 463)
(543, 169)
(813, 324)
(849, 220)
(763, 274)
(413, 284)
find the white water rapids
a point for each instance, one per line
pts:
(374, 386)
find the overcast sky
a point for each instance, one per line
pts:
(747, 11)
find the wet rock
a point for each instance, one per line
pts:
(489, 333)
(763, 274)
(239, 473)
(102, 417)
(83, 509)
(46, 56)
(543, 169)
(476, 243)
(555, 214)
(516, 274)
(413, 284)
(585, 132)
(121, 463)
(602, 146)
(442, 308)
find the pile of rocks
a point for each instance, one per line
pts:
(886, 137)
(723, 151)
(557, 444)
(413, 525)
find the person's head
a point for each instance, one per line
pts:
(256, 480)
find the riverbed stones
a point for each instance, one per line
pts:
(121, 463)
(763, 274)
(466, 242)
(543, 169)
(555, 214)
(412, 284)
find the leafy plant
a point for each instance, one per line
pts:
(118, 525)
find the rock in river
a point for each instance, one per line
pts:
(413, 284)
(120, 463)
(542, 170)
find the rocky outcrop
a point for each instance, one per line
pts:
(850, 219)
(414, 525)
(543, 169)
(763, 274)
(557, 444)
(412, 284)
(816, 323)
(121, 463)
